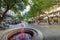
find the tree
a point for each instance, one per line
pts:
(40, 5)
(20, 17)
(14, 5)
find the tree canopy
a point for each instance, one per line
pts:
(19, 5)
(40, 5)
(14, 5)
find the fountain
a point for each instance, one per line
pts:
(22, 35)
(29, 34)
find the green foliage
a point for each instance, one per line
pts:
(36, 9)
(40, 5)
(18, 16)
(14, 5)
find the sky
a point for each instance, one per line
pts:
(25, 10)
(27, 7)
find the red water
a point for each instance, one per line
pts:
(22, 32)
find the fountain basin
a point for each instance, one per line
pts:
(35, 34)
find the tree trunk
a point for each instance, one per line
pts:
(0, 19)
(3, 15)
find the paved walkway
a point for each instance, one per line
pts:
(47, 25)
